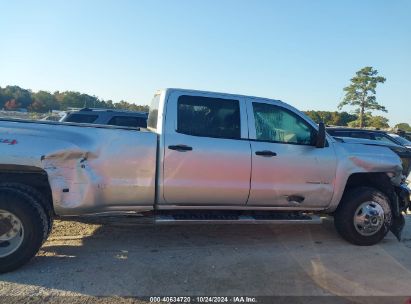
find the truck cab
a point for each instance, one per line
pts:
(250, 152)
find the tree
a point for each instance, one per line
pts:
(12, 105)
(361, 93)
(331, 118)
(43, 102)
(37, 106)
(109, 104)
(71, 99)
(15, 97)
(378, 122)
(403, 127)
(345, 118)
(124, 105)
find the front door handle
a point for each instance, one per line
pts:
(180, 148)
(266, 153)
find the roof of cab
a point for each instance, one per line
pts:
(192, 91)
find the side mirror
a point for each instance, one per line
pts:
(320, 143)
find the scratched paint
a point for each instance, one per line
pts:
(8, 141)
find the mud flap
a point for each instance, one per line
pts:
(401, 204)
(397, 226)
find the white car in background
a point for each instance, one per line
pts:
(405, 142)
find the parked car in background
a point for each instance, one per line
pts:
(402, 133)
(111, 117)
(51, 118)
(370, 134)
(404, 141)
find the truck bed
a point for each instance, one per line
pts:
(91, 168)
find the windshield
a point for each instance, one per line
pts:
(400, 139)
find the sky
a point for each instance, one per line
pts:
(302, 52)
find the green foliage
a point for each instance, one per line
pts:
(378, 122)
(14, 97)
(43, 102)
(361, 93)
(331, 118)
(403, 126)
(347, 119)
(132, 107)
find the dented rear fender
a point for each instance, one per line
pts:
(89, 169)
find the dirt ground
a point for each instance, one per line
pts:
(125, 259)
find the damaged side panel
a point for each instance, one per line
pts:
(90, 170)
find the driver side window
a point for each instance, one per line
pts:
(276, 124)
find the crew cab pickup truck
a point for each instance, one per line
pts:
(204, 158)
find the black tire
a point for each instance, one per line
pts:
(34, 222)
(347, 209)
(39, 198)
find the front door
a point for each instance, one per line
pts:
(207, 156)
(287, 169)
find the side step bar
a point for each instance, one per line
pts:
(268, 218)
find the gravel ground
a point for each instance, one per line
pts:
(125, 259)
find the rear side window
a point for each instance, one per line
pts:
(81, 118)
(128, 121)
(208, 117)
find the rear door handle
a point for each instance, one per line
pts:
(180, 148)
(266, 153)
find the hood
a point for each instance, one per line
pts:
(352, 140)
(403, 152)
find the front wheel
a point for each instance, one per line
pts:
(364, 216)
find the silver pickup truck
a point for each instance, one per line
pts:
(204, 158)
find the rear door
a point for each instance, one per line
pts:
(207, 156)
(287, 169)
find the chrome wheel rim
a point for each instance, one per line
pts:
(369, 218)
(11, 233)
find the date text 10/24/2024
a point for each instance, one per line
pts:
(203, 299)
